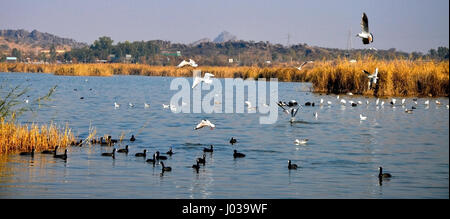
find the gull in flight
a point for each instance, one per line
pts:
(116, 105)
(365, 35)
(403, 101)
(329, 102)
(377, 101)
(166, 106)
(185, 63)
(382, 103)
(205, 123)
(438, 103)
(130, 104)
(146, 105)
(294, 112)
(206, 79)
(372, 77)
(316, 115)
(301, 141)
(303, 64)
(361, 117)
(343, 102)
(427, 102)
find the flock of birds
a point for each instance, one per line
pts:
(291, 108)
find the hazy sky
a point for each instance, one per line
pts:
(408, 25)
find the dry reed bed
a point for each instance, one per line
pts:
(17, 138)
(396, 77)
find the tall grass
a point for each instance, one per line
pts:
(16, 137)
(396, 77)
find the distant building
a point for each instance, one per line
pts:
(11, 59)
(167, 53)
(230, 60)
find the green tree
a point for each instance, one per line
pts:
(16, 53)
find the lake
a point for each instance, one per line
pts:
(340, 160)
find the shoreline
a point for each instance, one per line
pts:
(397, 78)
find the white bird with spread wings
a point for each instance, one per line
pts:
(372, 77)
(365, 35)
(206, 79)
(185, 63)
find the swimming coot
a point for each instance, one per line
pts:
(170, 152)
(141, 154)
(236, 154)
(123, 150)
(210, 149)
(61, 156)
(292, 166)
(382, 175)
(132, 138)
(233, 141)
(50, 151)
(28, 153)
(164, 168)
(110, 154)
(196, 166)
(202, 160)
(153, 160)
(159, 157)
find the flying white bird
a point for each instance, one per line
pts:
(130, 104)
(427, 102)
(303, 64)
(329, 102)
(321, 101)
(403, 101)
(365, 34)
(206, 79)
(343, 102)
(393, 101)
(316, 115)
(382, 103)
(205, 123)
(301, 141)
(372, 77)
(185, 63)
(294, 112)
(361, 117)
(437, 102)
(116, 105)
(367, 102)
(166, 106)
(146, 105)
(376, 102)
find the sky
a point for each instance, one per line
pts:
(407, 25)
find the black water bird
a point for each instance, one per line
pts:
(202, 160)
(61, 156)
(123, 150)
(170, 152)
(141, 154)
(160, 157)
(153, 160)
(132, 138)
(210, 149)
(233, 141)
(28, 153)
(164, 168)
(382, 175)
(292, 166)
(50, 151)
(196, 166)
(236, 154)
(110, 154)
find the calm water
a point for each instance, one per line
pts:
(340, 160)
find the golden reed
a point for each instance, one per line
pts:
(17, 138)
(396, 77)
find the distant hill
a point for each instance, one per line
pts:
(225, 37)
(34, 41)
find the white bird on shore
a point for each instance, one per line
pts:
(427, 102)
(361, 117)
(403, 101)
(393, 101)
(321, 101)
(343, 102)
(294, 112)
(116, 105)
(377, 101)
(206, 79)
(301, 141)
(205, 123)
(367, 102)
(185, 63)
(350, 93)
(438, 103)
(382, 103)
(337, 97)
(365, 34)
